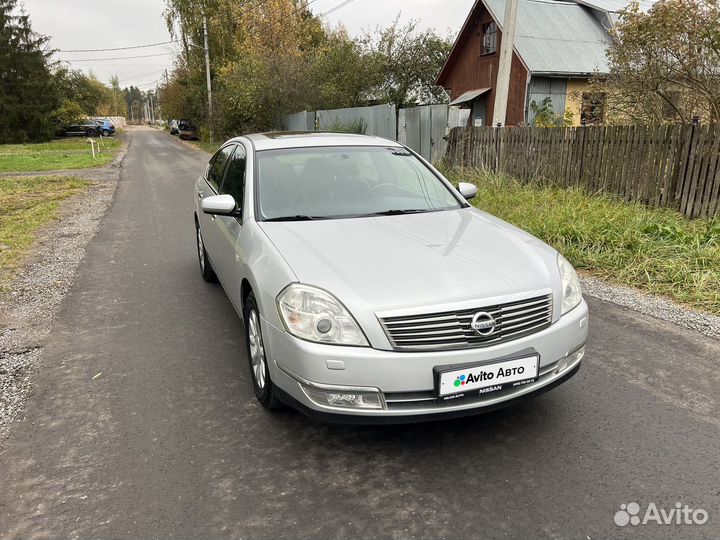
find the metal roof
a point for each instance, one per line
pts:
(469, 95)
(615, 6)
(554, 37)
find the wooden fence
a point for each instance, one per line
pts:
(662, 166)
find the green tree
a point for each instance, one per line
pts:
(68, 113)
(27, 94)
(341, 74)
(406, 62)
(135, 102)
(117, 101)
(664, 64)
(90, 94)
(275, 57)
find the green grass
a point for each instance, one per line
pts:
(71, 153)
(26, 204)
(657, 250)
(206, 146)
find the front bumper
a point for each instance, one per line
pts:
(405, 380)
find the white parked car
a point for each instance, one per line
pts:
(371, 291)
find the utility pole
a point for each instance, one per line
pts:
(502, 86)
(158, 107)
(207, 74)
(152, 110)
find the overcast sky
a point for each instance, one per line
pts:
(100, 24)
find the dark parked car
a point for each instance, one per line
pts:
(88, 128)
(187, 130)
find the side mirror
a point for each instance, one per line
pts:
(467, 190)
(219, 205)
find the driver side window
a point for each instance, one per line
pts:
(234, 182)
(217, 166)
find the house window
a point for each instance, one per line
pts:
(593, 108)
(489, 38)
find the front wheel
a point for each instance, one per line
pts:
(90, 133)
(206, 270)
(257, 357)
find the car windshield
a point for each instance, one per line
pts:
(342, 182)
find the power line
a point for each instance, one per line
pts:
(154, 83)
(130, 65)
(333, 10)
(118, 58)
(142, 76)
(119, 48)
(299, 9)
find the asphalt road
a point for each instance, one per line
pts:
(168, 441)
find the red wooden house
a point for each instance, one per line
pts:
(558, 46)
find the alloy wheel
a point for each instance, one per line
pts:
(257, 350)
(201, 250)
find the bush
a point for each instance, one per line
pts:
(68, 113)
(545, 116)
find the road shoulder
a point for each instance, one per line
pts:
(27, 310)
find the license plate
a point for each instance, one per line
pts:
(489, 374)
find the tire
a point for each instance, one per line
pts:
(206, 270)
(106, 133)
(90, 133)
(257, 357)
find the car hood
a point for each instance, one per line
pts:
(414, 260)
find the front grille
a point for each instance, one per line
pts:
(451, 329)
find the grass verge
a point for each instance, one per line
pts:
(26, 204)
(206, 146)
(657, 250)
(60, 154)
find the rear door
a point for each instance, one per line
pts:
(229, 228)
(211, 186)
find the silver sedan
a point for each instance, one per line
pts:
(371, 291)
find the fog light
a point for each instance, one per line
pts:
(345, 400)
(570, 359)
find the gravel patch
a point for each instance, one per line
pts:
(655, 306)
(28, 310)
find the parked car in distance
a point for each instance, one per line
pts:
(174, 129)
(87, 128)
(107, 128)
(187, 130)
(371, 291)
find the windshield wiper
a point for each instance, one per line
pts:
(298, 217)
(400, 212)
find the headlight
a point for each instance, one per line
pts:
(571, 294)
(316, 315)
